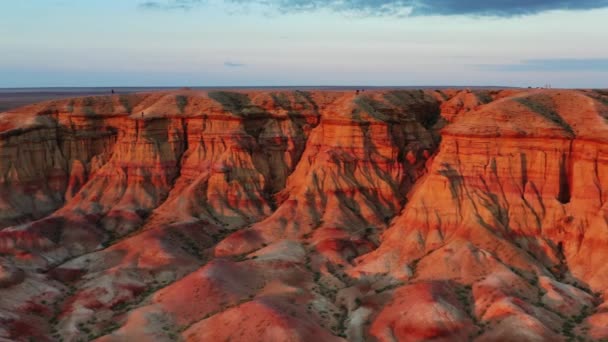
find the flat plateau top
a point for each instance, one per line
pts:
(525, 113)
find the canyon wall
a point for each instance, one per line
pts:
(377, 215)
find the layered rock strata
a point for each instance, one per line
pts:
(385, 215)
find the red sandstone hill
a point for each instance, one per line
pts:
(448, 215)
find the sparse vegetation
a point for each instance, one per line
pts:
(542, 105)
(125, 101)
(70, 106)
(233, 102)
(182, 102)
(87, 104)
(189, 245)
(282, 100)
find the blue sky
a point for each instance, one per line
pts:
(297, 42)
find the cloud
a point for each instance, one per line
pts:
(170, 4)
(230, 64)
(551, 64)
(497, 8)
(502, 8)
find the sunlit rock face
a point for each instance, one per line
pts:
(407, 215)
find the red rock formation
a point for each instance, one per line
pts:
(365, 152)
(518, 184)
(167, 215)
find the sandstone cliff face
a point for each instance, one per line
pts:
(160, 216)
(365, 152)
(519, 187)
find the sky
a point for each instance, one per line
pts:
(50, 43)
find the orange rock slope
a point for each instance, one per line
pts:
(409, 215)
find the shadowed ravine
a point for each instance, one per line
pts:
(449, 215)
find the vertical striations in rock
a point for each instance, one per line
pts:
(383, 215)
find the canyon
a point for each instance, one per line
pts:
(287, 215)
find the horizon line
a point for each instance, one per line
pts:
(279, 86)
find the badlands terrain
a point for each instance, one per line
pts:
(384, 215)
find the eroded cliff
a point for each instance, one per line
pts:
(293, 215)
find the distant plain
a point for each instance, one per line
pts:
(16, 97)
